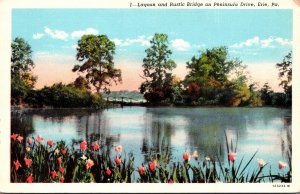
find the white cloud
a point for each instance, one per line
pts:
(117, 41)
(56, 34)
(38, 36)
(270, 42)
(141, 40)
(180, 45)
(79, 33)
(249, 42)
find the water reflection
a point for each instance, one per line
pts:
(175, 130)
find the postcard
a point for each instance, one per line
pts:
(148, 96)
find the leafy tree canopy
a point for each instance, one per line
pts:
(285, 71)
(95, 52)
(21, 57)
(157, 69)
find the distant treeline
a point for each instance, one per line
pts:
(213, 78)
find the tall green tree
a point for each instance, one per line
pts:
(267, 94)
(285, 75)
(96, 54)
(157, 71)
(22, 79)
(209, 80)
(21, 57)
(285, 71)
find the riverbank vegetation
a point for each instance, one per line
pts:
(213, 79)
(35, 159)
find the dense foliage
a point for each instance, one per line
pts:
(95, 52)
(213, 78)
(61, 95)
(22, 80)
(208, 81)
(157, 71)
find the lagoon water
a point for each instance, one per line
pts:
(142, 130)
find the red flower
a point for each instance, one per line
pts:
(28, 162)
(96, 147)
(118, 160)
(39, 139)
(142, 170)
(50, 143)
(27, 149)
(231, 156)
(53, 174)
(83, 146)
(29, 140)
(59, 160)
(186, 156)
(61, 170)
(152, 166)
(170, 181)
(14, 136)
(29, 179)
(62, 180)
(64, 151)
(108, 172)
(17, 164)
(89, 163)
(20, 138)
(118, 149)
(281, 165)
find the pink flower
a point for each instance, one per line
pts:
(261, 163)
(195, 155)
(89, 163)
(141, 170)
(108, 172)
(118, 149)
(62, 180)
(83, 145)
(28, 162)
(53, 174)
(96, 147)
(231, 156)
(39, 139)
(64, 151)
(29, 140)
(50, 143)
(27, 149)
(118, 160)
(14, 136)
(56, 151)
(170, 181)
(17, 164)
(61, 170)
(59, 160)
(152, 166)
(281, 165)
(29, 179)
(20, 138)
(186, 156)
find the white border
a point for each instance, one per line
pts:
(5, 39)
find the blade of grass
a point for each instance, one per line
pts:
(222, 170)
(237, 171)
(237, 138)
(249, 162)
(227, 146)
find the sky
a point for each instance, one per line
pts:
(260, 38)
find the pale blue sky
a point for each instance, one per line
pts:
(257, 37)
